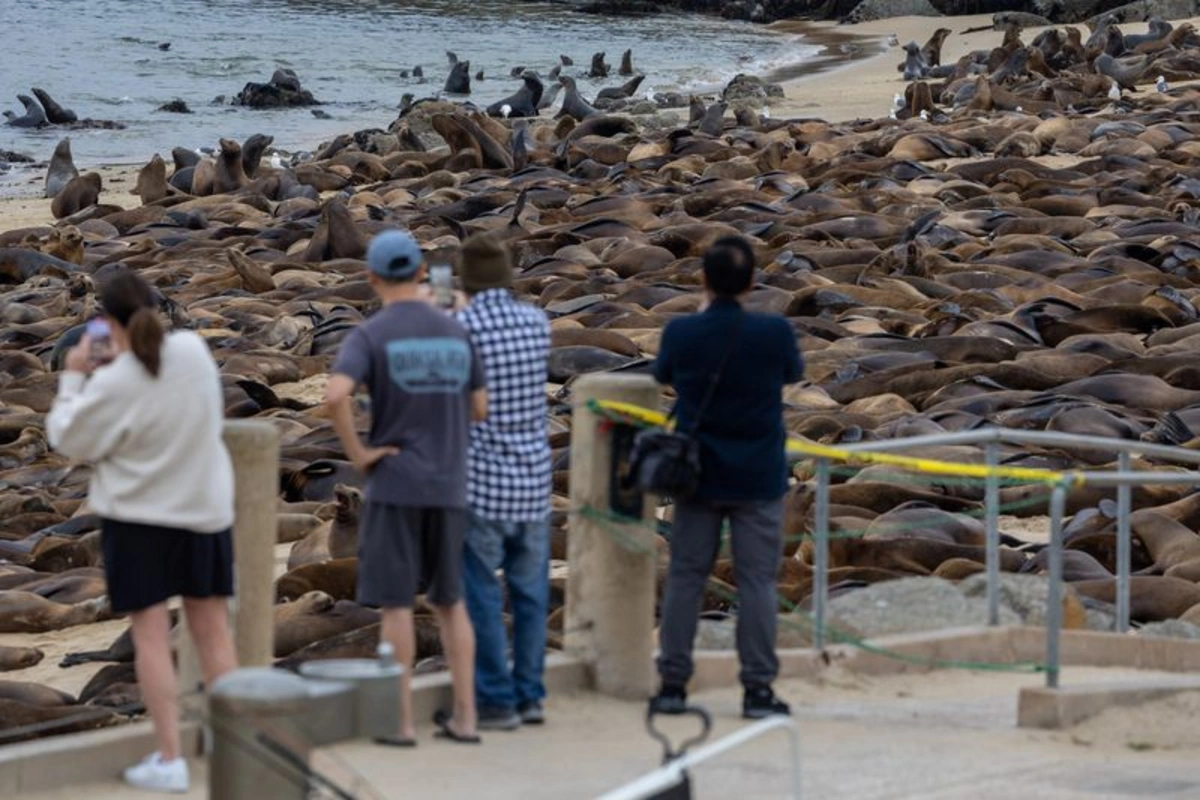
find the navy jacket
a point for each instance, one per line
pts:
(742, 435)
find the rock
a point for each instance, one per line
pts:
(910, 605)
(792, 631)
(1171, 629)
(749, 90)
(11, 157)
(176, 106)
(869, 10)
(1026, 596)
(282, 91)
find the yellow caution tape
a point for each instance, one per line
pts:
(927, 465)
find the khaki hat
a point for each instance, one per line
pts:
(484, 263)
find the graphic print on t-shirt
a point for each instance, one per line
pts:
(440, 365)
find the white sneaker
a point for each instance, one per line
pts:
(156, 775)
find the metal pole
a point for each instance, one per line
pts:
(992, 540)
(821, 557)
(1058, 502)
(1124, 492)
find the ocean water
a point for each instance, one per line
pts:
(101, 59)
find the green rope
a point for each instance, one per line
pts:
(609, 522)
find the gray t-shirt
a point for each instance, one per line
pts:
(419, 367)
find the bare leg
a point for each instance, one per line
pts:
(396, 627)
(458, 643)
(208, 620)
(156, 675)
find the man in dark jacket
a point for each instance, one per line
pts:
(751, 357)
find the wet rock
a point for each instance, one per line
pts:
(282, 91)
(12, 157)
(176, 106)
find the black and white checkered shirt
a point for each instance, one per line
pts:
(508, 460)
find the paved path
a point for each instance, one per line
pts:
(935, 737)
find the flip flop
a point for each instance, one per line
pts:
(395, 741)
(442, 720)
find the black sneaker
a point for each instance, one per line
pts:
(531, 712)
(498, 719)
(671, 699)
(760, 702)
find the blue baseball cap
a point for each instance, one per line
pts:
(394, 255)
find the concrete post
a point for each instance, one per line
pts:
(611, 589)
(254, 449)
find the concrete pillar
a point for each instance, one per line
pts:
(253, 447)
(611, 585)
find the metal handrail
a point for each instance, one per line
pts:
(671, 773)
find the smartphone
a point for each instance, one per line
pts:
(441, 280)
(100, 345)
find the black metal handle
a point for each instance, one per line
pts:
(670, 754)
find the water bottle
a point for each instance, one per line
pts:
(387, 655)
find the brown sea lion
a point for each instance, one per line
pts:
(319, 617)
(80, 192)
(152, 183)
(34, 694)
(13, 658)
(25, 612)
(1151, 598)
(21, 722)
(337, 578)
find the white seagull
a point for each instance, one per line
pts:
(1161, 84)
(1114, 92)
(893, 40)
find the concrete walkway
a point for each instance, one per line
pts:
(934, 736)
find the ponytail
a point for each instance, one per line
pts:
(130, 301)
(146, 338)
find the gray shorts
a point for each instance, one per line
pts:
(405, 551)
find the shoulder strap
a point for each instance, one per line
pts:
(719, 371)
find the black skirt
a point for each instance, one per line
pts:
(148, 564)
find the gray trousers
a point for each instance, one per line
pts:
(757, 548)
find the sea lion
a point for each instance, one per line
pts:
(931, 51)
(626, 63)
(315, 618)
(1151, 598)
(459, 80)
(252, 152)
(230, 175)
(34, 694)
(914, 66)
(62, 168)
(33, 117)
(598, 69)
(56, 114)
(21, 722)
(623, 91)
(573, 104)
(80, 192)
(14, 658)
(337, 578)
(1173, 546)
(522, 103)
(25, 612)
(336, 236)
(152, 183)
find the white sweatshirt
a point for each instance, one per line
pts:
(155, 442)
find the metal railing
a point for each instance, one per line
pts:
(671, 773)
(1123, 478)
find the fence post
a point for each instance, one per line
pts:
(611, 589)
(821, 556)
(992, 533)
(1124, 491)
(1058, 502)
(254, 448)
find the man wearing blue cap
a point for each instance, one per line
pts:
(426, 386)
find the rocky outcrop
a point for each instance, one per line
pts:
(282, 91)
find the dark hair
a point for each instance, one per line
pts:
(729, 266)
(130, 301)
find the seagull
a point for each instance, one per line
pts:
(898, 101)
(766, 113)
(1114, 92)
(1161, 84)
(925, 115)
(505, 110)
(893, 40)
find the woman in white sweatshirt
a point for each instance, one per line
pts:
(150, 422)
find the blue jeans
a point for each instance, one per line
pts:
(522, 550)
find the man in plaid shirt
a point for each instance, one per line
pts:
(508, 490)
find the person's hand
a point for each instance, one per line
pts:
(79, 357)
(370, 456)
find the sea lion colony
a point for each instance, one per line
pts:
(939, 274)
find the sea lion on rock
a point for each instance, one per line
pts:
(56, 114)
(573, 104)
(33, 117)
(524, 102)
(62, 168)
(81, 192)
